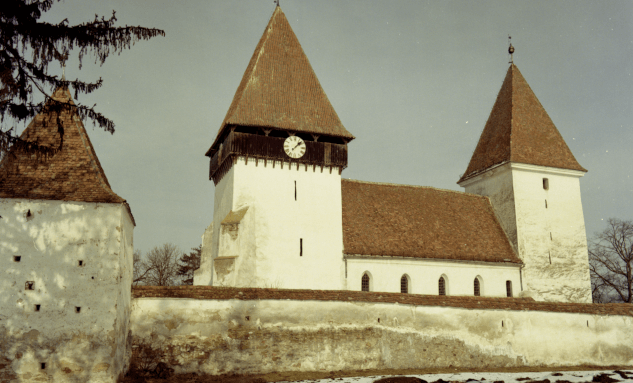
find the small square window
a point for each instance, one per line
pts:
(545, 183)
(77, 310)
(17, 258)
(29, 285)
(37, 307)
(43, 366)
(80, 263)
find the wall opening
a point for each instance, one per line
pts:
(29, 285)
(17, 258)
(43, 366)
(477, 287)
(501, 323)
(28, 215)
(364, 283)
(509, 289)
(546, 204)
(441, 284)
(545, 183)
(37, 307)
(80, 263)
(248, 317)
(295, 190)
(77, 310)
(404, 284)
(301, 247)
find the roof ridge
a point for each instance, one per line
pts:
(414, 186)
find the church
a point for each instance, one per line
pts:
(285, 218)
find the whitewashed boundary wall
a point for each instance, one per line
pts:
(248, 336)
(71, 324)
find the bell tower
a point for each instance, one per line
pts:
(523, 164)
(276, 164)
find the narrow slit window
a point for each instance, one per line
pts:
(80, 263)
(404, 285)
(43, 366)
(509, 289)
(545, 183)
(295, 190)
(17, 258)
(477, 288)
(546, 204)
(37, 307)
(364, 283)
(301, 247)
(442, 286)
(550, 236)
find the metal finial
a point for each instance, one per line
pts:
(276, 2)
(510, 49)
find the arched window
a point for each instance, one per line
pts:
(509, 289)
(477, 288)
(404, 284)
(364, 283)
(442, 286)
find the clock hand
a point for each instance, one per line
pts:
(296, 146)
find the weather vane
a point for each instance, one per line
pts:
(510, 49)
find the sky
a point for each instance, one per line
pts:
(413, 81)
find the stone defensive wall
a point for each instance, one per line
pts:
(218, 330)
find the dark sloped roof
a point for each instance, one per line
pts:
(519, 130)
(72, 174)
(280, 90)
(421, 222)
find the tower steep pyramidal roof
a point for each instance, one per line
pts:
(519, 130)
(73, 173)
(280, 89)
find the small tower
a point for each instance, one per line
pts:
(276, 165)
(65, 257)
(523, 164)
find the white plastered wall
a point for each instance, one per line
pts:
(91, 345)
(283, 242)
(262, 336)
(519, 199)
(203, 276)
(424, 274)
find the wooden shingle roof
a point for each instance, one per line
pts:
(519, 130)
(280, 89)
(421, 222)
(71, 174)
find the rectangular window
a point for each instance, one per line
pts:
(545, 183)
(17, 258)
(37, 307)
(301, 247)
(509, 289)
(80, 263)
(546, 204)
(295, 190)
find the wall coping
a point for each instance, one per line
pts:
(467, 302)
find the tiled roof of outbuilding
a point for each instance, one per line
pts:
(421, 222)
(280, 89)
(72, 174)
(519, 130)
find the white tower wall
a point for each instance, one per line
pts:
(542, 224)
(267, 238)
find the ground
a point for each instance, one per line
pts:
(532, 375)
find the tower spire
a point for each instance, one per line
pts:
(510, 49)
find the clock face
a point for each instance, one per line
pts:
(294, 147)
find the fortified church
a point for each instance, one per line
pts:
(285, 219)
(283, 216)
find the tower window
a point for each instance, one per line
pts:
(546, 204)
(545, 183)
(29, 285)
(509, 289)
(477, 289)
(295, 190)
(77, 310)
(37, 307)
(364, 283)
(442, 286)
(43, 366)
(404, 285)
(80, 263)
(17, 258)
(301, 247)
